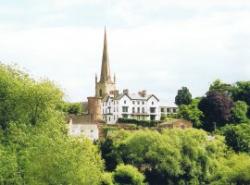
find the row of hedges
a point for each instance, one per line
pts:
(144, 123)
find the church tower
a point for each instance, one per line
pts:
(105, 86)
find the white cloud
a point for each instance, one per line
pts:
(158, 55)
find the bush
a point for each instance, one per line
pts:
(107, 179)
(237, 137)
(144, 123)
(128, 175)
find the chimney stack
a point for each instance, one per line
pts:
(125, 91)
(142, 93)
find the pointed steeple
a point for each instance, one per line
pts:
(105, 71)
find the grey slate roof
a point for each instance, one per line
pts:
(132, 96)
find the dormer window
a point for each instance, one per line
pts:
(125, 102)
(152, 103)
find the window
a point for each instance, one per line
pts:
(162, 109)
(109, 118)
(125, 116)
(100, 92)
(133, 110)
(125, 102)
(138, 109)
(133, 102)
(138, 102)
(124, 109)
(152, 109)
(174, 110)
(143, 110)
(152, 103)
(168, 110)
(143, 102)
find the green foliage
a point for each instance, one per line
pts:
(34, 145)
(238, 137)
(217, 109)
(183, 97)
(24, 100)
(107, 179)
(234, 170)
(171, 157)
(221, 87)
(128, 175)
(242, 91)
(239, 112)
(109, 154)
(144, 123)
(191, 113)
(72, 108)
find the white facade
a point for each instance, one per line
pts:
(83, 129)
(166, 110)
(132, 106)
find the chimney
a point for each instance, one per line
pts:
(125, 91)
(142, 93)
(116, 93)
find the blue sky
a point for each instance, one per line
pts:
(157, 45)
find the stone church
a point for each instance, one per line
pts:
(108, 104)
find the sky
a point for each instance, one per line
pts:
(157, 45)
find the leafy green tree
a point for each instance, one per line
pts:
(173, 156)
(72, 108)
(239, 112)
(217, 109)
(128, 175)
(34, 145)
(242, 91)
(219, 86)
(234, 170)
(183, 97)
(109, 154)
(107, 179)
(25, 100)
(191, 113)
(237, 137)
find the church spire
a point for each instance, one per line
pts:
(105, 71)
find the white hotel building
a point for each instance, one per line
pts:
(132, 106)
(109, 105)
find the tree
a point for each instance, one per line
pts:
(217, 109)
(24, 100)
(172, 156)
(219, 86)
(239, 112)
(72, 108)
(237, 137)
(109, 154)
(183, 97)
(242, 91)
(34, 145)
(128, 175)
(234, 169)
(191, 113)
(107, 179)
